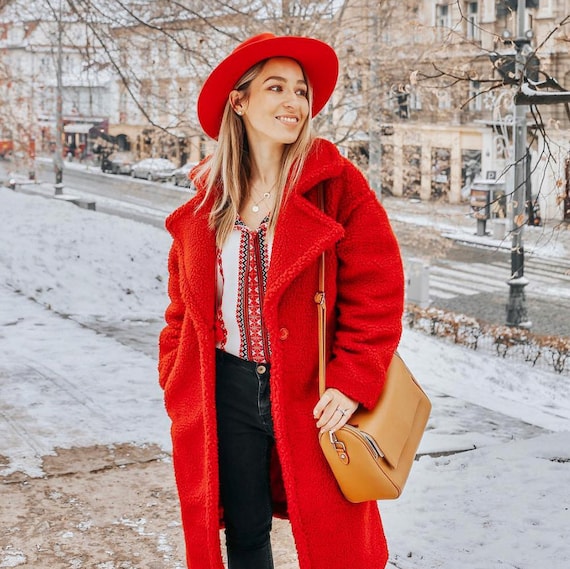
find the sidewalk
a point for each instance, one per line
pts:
(79, 413)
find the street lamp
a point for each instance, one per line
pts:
(516, 306)
(58, 160)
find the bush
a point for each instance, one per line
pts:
(467, 331)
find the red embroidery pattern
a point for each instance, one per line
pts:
(252, 279)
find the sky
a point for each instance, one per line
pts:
(491, 490)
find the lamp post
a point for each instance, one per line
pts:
(516, 306)
(58, 160)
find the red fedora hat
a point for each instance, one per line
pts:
(318, 60)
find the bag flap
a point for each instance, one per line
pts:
(392, 420)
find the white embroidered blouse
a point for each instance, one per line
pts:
(243, 263)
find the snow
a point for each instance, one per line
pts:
(68, 276)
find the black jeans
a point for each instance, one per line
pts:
(245, 441)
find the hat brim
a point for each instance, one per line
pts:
(318, 60)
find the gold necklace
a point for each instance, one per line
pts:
(266, 195)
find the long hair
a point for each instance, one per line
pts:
(227, 171)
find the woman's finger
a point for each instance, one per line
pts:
(325, 399)
(336, 422)
(335, 398)
(327, 414)
(333, 410)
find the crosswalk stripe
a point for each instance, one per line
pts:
(496, 269)
(482, 283)
(550, 270)
(553, 291)
(445, 285)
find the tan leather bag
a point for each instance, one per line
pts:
(372, 455)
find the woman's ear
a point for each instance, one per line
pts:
(236, 102)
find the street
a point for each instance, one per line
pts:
(135, 198)
(463, 278)
(479, 289)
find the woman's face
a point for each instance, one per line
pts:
(277, 106)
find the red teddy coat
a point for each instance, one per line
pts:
(364, 287)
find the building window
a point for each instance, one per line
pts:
(443, 100)
(472, 20)
(504, 8)
(123, 106)
(403, 106)
(475, 96)
(415, 101)
(442, 16)
(440, 173)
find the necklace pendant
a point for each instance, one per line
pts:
(255, 208)
(266, 195)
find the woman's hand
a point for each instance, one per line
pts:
(333, 410)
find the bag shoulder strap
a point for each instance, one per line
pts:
(321, 307)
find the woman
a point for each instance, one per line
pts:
(239, 355)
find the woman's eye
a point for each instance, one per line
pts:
(275, 88)
(302, 93)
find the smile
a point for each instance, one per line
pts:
(288, 120)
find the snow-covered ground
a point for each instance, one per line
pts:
(503, 505)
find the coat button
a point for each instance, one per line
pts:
(283, 333)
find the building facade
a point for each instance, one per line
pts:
(436, 73)
(421, 102)
(34, 49)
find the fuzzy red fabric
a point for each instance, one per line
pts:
(364, 287)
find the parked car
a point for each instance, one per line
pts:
(119, 163)
(180, 175)
(153, 169)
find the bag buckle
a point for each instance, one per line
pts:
(339, 447)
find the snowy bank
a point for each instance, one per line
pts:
(504, 504)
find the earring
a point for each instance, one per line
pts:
(239, 113)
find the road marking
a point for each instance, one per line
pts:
(449, 279)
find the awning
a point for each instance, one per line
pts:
(78, 128)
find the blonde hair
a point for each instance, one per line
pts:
(228, 168)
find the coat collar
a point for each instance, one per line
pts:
(323, 162)
(304, 231)
(302, 234)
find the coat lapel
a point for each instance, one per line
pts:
(303, 233)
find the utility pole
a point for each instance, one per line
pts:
(374, 142)
(516, 307)
(58, 159)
